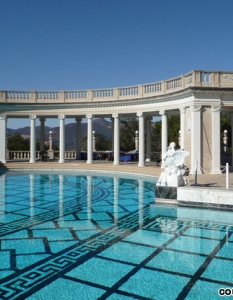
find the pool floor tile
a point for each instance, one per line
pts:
(151, 238)
(195, 245)
(155, 285)
(100, 271)
(219, 269)
(177, 262)
(128, 252)
(205, 290)
(63, 289)
(201, 232)
(226, 251)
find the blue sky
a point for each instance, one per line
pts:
(89, 44)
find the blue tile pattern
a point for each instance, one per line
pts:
(82, 237)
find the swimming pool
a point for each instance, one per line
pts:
(91, 237)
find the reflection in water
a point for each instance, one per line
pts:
(116, 195)
(95, 244)
(2, 197)
(61, 195)
(32, 199)
(140, 202)
(89, 196)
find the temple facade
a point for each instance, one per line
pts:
(198, 97)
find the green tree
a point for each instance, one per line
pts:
(101, 143)
(17, 143)
(128, 126)
(156, 137)
(173, 123)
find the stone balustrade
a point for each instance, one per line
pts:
(25, 155)
(191, 79)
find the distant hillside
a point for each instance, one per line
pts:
(100, 126)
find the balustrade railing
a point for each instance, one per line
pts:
(103, 93)
(152, 88)
(194, 78)
(25, 155)
(48, 95)
(70, 155)
(129, 91)
(175, 83)
(18, 95)
(76, 94)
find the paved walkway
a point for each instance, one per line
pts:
(151, 169)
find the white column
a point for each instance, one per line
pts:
(148, 138)
(195, 139)
(116, 139)
(33, 139)
(42, 133)
(216, 147)
(182, 132)
(232, 140)
(62, 139)
(164, 138)
(78, 138)
(112, 119)
(89, 140)
(141, 150)
(2, 138)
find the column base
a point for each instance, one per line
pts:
(141, 165)
(32, 161)
(116, 163)
(2, 161)
(89, 162)
(61, 161)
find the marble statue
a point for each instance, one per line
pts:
(174, 167)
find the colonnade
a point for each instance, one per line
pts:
(115, 140)
(199, 134)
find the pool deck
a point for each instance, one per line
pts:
(213, 181)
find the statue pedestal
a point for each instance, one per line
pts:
(51, 154)
(166, 194)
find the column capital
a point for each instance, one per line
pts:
(89, 116)
(42, 119)
(78, 119)
(216, 108)
(32, 117)
(163, 112)
(2, 117)
(148, 118)
(61, 117)
(195, 108)
(140, 114)
(182, 110)
(115, 116)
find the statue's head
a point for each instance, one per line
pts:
(173, 145)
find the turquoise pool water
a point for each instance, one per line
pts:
(88, 237)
